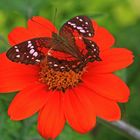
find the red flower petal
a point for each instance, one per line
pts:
(108, 85)
(51, 118)
(103, 38)
(44, 23)
(37, 27)
(28, 102)
(79, 110)
(105, 108)
(112, 60)
(40, 29)
(18, 35)
(14, 76)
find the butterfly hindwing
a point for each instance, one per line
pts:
(93, 50)
(28, 52)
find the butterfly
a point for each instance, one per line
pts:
(30, 51)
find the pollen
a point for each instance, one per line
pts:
(58, 80)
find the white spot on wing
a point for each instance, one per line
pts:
(62, 67)
(89, 34)
(32, 47)
(55, 65)
(17, 50)
(31, 51)
(82, 31)
(18, 56)
(37, 60)
(50, 62)
(35, 54)
(29, 45)
(79, 28)
(72, 24)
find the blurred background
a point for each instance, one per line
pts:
(121, 17)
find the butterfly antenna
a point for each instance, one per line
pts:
(55, 14)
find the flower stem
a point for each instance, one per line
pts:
(124, 128)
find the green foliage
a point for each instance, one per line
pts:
(121, 17)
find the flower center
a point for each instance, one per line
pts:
(58, 79)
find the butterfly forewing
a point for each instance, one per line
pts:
(28, 52)
(84, 28)
(82, 24)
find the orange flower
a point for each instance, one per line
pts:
(95, 94)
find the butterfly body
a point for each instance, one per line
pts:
(64, 42)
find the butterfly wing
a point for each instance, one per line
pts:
(67, 33)
(81, 30)
(66, 44)
(81, 24)
(92, 51)
(28, 52)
